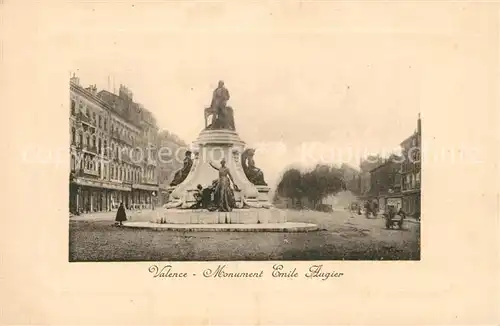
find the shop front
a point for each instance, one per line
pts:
(144, 196)
(88, 196)
(396, 202)
(411, 203)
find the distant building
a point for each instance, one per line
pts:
(366, 166)
(411, 171)
(386, 183)
(351, 178)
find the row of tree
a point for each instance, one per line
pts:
(313, 185)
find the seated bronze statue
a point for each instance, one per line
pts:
(253, 173)
(222, 115)
(181, 174)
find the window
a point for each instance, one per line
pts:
(72, 166)
(105, 123)
(87, 112)
(99, 150)
(93, 141)
(93, 116)
(73, 107)
(73, 135)
(100, 122)
(87, 140)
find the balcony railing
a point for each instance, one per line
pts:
(116, 135)
(80, 117)
(89, 172)
(88, 148)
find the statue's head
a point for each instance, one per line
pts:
(188, 154)
(221, 83)
(223, 162)
(250, 151)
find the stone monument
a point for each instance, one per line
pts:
(222, 176)
(219, 187)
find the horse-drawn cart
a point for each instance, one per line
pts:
(394, 217)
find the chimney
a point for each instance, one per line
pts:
(92, 89)
(75, 80)
(419, 125)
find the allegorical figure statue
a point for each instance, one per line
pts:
(224, 195)
(181, 174)
(223, 117)
(253, 173)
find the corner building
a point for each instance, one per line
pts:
(107, 161)
(411, 171)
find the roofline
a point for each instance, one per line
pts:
(415, 134)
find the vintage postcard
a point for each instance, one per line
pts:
(220, 163)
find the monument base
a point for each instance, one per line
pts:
(202, 216)
(268, 227)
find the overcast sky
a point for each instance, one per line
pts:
(303, 80)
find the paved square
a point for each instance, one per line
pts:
(342, 236)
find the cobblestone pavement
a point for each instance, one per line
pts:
(342, 236)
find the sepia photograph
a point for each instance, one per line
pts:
(229, 157)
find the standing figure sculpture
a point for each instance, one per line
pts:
(224, 195)
(223, 117)
(181, 174)
(253, 173)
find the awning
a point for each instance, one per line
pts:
(101, 184)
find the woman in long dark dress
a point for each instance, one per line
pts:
(223, 191)
(121, 215)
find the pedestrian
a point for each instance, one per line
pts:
(367, 209)
(120, 215)
(375, 209)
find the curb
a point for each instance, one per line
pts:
(222, 227)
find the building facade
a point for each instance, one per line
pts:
(386, 183)
(107, 161)
(366, 166)
(411, 172)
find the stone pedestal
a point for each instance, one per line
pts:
(212, 146)
(199, 216)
